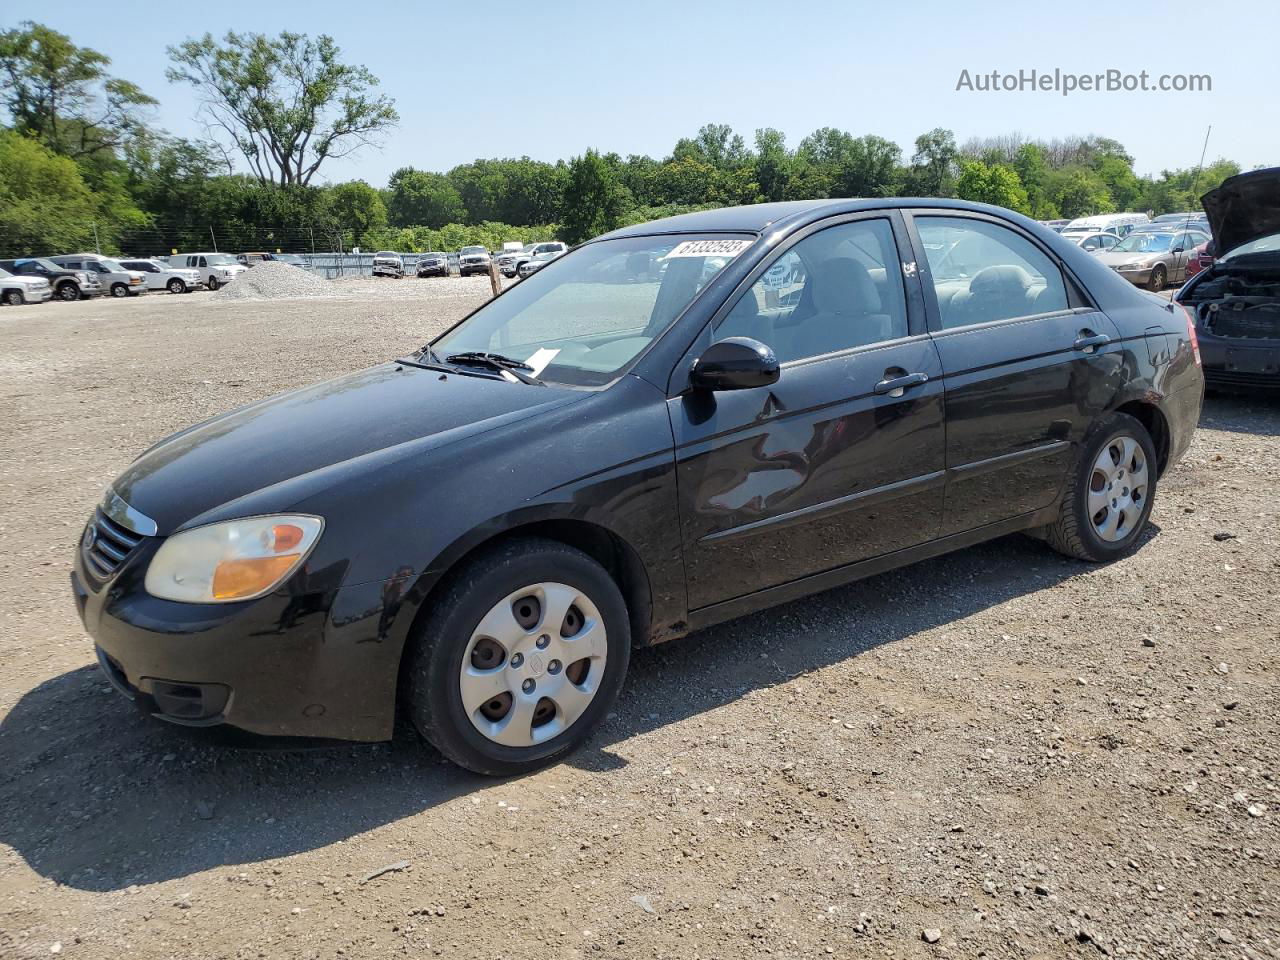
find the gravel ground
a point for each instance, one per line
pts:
(999, 753)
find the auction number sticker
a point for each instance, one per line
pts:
(708, 248)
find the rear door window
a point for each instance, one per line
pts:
(984, 272)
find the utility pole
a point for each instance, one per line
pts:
(97, 247)
(213, 238)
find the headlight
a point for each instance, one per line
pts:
(234, 560)
(82, 277)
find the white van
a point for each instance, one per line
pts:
(1118, 223)
(215, 269)
(117, 280)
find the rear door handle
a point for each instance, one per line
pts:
(895, 386)
(1091, 343)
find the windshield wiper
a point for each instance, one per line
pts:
(495, 361)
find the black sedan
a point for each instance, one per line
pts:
(672, 425)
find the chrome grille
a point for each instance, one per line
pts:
(106, 545)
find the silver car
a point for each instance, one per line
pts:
(1153, 260)
(118, 281)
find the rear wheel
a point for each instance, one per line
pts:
(1109, 493)
(177, 286)
(1156, 283)
(521, 658)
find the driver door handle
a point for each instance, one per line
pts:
(895, 386)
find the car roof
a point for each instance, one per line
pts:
(756, 218)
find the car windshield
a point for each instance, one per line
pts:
(473, 250)
(586, 315)
(113, 265)
(1144, 243)
(41, 261)
(220, 259)
(386, 253)
(4, 274)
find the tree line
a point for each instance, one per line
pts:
(82, 163)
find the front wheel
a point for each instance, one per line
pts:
(119, 290)
(212, 283)
(521, 658)
(14, 298)
(177, 286)
(68, 292)
(1156, 282)
(1109, 493)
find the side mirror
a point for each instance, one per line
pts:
(736, 363)
(1178, 249)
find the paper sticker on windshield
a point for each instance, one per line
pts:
(708, 248)
(539, 359)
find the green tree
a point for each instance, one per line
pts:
(869, 168)
(772, 163)
(45, 205)
(424, 199)
(63, 95)
(996, 184)
(357, 210)
(595, 201)
(286, 103)
(1078, 192)
(716, 144)
(933, 165)
(1033, 170)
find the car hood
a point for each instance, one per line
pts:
(1244, 208)
(309, 438)
(1112, 259)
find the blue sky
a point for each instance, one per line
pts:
(634, 77)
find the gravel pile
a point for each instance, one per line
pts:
(272, 280)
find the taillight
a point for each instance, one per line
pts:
(1191, 332)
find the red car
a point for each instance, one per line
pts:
(1201, 257)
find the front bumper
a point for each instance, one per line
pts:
(1240, 363)
(438, 270)
(301, 662)
(1140, 277)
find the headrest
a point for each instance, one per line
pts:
(1005, 280)
(843, 285)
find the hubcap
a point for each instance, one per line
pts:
(533, 664)
(1117, 489)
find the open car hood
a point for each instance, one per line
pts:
(1244, 208)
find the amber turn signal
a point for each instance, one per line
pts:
(250, 575)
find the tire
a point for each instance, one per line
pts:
(1155, 283)
(1115, 528)
(212, 283)
(580, 692)
(119, 290)
(177, 286)
(68, 292)
(14, 298)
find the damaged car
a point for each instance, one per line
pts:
(1235, 300)
(675, 424)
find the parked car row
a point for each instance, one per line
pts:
(1151, 253)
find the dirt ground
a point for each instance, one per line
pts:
(999, 753)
